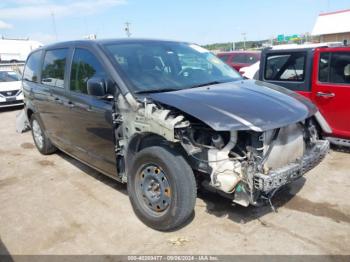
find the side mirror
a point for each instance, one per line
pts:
(100, 87)
(96, 86)
(110, 87)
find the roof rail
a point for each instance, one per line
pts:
(311, 45)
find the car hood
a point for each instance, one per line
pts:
(240, 105)
(9, 86)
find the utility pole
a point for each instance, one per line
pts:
(54, 24)
(127, 29)
(328, 6)
(244, 39)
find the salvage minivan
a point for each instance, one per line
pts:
(167, 117)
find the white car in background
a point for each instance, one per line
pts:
(250, 72)
(10, 89)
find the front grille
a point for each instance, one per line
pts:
(9, 93)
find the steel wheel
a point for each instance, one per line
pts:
(37, 134)
(161, 187)
(153, 188)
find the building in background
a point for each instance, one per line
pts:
(333, 27)
(16, 50)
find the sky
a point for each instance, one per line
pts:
(198, 21)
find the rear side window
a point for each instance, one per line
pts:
(32, 68)
(251, 59)
(84, 66)
(323, 67)
(334, 68)
(54, 67)
(244, 59)
(285, 67)
(239, 59)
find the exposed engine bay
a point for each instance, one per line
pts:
(247, 166)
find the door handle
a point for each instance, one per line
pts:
(58, 100)
(70, 104)
(326, 95)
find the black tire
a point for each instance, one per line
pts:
(181, 184)
(46, 147)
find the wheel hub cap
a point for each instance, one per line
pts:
(154, 188)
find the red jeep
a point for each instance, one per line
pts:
(239, 59)
(320, 73)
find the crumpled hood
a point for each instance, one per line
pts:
(240, 105)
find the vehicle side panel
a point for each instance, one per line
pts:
(332, 99)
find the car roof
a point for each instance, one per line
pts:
(296, 47)
(239, 52)
(106, 41)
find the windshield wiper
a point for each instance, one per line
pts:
(208, 84)
(176, 89)
(155, 91)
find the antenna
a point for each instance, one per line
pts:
(127, 29)
(54, 24)
(244, 39)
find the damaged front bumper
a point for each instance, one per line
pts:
(282, 176)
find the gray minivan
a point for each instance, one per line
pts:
(167, 117)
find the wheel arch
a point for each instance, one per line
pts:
(140, 141)
(29, 112)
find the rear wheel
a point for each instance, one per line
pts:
(161, 188)
(42, 142)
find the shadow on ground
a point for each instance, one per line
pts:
(342, 149)
(10, 109)
(5, 255)
(95, 174)
(221, 207)
(215, 204)
(108, 180)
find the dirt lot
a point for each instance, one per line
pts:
(56, 205)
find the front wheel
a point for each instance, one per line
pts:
(162, 188)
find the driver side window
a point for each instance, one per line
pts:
(84, 66)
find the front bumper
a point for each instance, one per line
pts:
(282, 176)
(11, 101)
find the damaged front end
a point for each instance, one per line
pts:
(247, 164)
(251, 166)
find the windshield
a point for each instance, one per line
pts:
(9, 76)
(153, 66)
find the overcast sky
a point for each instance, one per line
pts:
(200, 21)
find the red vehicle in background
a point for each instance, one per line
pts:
(321, 73)
(239, 59)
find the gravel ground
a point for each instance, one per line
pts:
(56, 205)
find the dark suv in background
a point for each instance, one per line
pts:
(166, 117)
